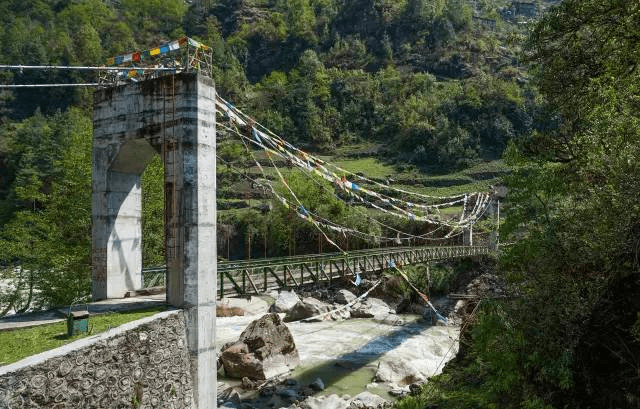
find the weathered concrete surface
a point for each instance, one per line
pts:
(174, 116)
(145, 361)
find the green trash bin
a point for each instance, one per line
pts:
(77, 322)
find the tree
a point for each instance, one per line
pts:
(576, 191)
(567, 339)
(152, 184)
(45, 243)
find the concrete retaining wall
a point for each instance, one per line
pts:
(141, 364)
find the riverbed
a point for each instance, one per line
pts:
(347, 354)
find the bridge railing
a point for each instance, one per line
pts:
(243, 277)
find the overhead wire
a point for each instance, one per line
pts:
(225, 104)
(278, 147)
(88, 84)
(345, 185)
(342, 228)
(71, 68)
(80, 68)
(330, 224)
(293, 195)
(403, 213)
(409, 235)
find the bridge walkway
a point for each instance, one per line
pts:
(246, 277)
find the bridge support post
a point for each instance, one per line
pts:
(494, 238)
(467, 236)
(174, 116)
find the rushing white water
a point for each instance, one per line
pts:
(346, 355)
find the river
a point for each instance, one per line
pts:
(346, 354)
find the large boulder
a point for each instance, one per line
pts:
(307, 308)
(345, 297)
(264, 350)
(399, 371)
(285, 302)
(339, 313)
(332, 401)
(370, 308)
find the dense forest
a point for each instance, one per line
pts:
(435, 85)
(570, 337)
(415, 83)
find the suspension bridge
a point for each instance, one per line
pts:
(253, 277)
(163, 101)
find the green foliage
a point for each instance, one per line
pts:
(154, 18)
(492, 373)
(322, 73)
(573, 218)
(152, 185)
(47, 236)
(441, 278)
(635, 329)
(299, 17)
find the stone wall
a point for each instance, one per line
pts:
(141, 364)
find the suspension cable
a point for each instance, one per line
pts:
(81, 68)
(89, 84)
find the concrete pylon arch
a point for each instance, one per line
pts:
(174, 116)
(117, 216)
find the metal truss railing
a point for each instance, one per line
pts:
(244, 277)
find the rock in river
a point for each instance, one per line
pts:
(265, 349)
(285, 302)
(308, 307)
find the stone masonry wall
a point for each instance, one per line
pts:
(141, 364)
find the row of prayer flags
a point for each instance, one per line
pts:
(154, 52)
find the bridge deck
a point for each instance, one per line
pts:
(244, 277)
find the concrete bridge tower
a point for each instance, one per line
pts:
(173, 116)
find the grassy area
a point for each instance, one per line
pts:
(472, 186)
(23, 342)
(370, 167)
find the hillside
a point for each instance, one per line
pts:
(431, 81)
(416, 85)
